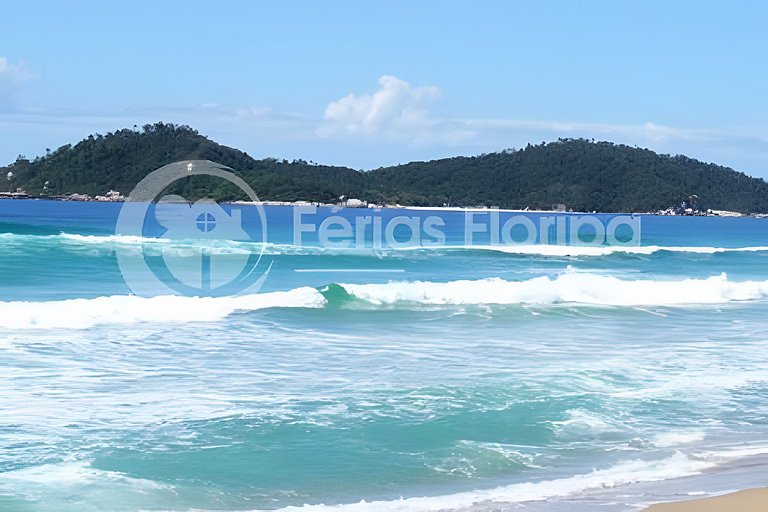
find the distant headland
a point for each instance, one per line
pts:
(569, 174)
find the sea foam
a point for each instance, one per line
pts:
(80, 473)
(572, 287)
(130, 309)
(544, 250)
(603, 250)
(622, 473)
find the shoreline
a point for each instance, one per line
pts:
(682, 493)
(723, 484)
(752, 500)
(294, 204)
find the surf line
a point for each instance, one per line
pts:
(360, 270)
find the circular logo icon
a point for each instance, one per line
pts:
(169, 245)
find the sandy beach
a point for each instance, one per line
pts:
(751, 500)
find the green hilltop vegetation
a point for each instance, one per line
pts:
(582, 174)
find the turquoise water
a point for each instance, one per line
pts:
(427, 379)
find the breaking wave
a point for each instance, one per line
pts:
(130, 309)
(577, 288)
(72, 239)
(569, 288)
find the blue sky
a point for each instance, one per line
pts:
(367, 84)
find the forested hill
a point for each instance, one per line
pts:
(119, 160)
(581, 174)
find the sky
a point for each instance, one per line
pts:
(370, 84)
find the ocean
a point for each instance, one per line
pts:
(454, 377)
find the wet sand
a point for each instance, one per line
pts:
(752, 500)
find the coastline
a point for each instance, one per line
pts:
(738, 485)
(25, 197)
(735, 485)
(752, 500)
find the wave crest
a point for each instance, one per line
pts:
(543, 250)
(130, 309)
(569, 288)
(577, 288)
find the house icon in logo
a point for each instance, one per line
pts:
(209, 256)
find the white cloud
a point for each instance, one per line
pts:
(398, 111)
(396, 108)
(14, 73)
